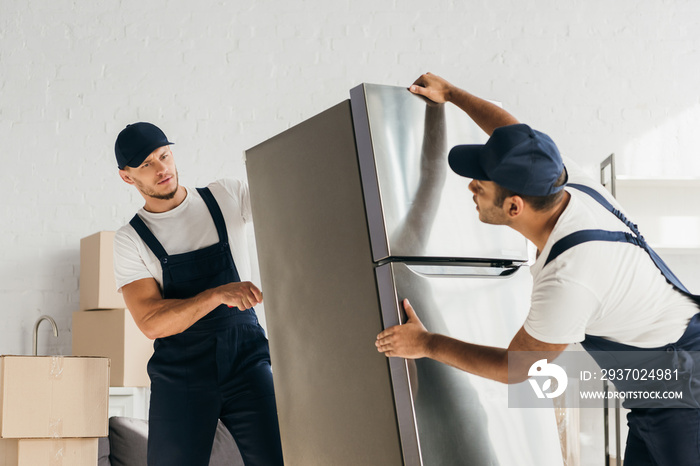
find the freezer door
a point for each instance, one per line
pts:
(446, 416)
(416, 205)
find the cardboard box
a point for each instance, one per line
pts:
(53, 396)
(49, 452)
(98, 288)
(113, 334)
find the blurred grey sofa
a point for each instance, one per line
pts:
(128, 437)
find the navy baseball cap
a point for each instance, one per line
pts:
(136, 142)
(515, 157)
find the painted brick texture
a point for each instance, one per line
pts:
(220, 77)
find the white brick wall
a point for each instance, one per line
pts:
(222, 76)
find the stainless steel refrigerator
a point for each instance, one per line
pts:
(354, 210)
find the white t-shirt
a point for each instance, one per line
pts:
(186, 228)
(610, 290)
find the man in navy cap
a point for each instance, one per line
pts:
(595, 280)
(182, 265)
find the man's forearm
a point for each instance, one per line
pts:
(157, 317)
(487, 115)
(166, 317)
(484, 361)
(412, 340)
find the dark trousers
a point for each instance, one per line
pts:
(663, 437)
(217, 369)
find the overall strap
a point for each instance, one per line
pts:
(605, 203)
(215, 212)
(148, 237)
(635, 238)
(584, 236)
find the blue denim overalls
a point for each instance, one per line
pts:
(657, 436)
(219, 368)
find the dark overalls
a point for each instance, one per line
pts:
(657, 435)
(219, 368)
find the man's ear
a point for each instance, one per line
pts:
(515, 206)
(125, 176)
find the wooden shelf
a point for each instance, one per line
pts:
(665, 210)
(676, 251)
(633, 182)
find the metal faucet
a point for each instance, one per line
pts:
(36, 330)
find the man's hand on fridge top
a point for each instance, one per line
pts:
(410, 340)
(433, 87)
(487, 115)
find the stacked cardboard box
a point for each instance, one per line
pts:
(36, 452)
(97, 284)
(103, 326)
(52, 409)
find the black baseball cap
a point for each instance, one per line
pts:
(515, 157)
(136, 142)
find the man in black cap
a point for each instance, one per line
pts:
(595, 280)
(182, 265)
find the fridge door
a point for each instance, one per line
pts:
(333, 389)
(416, 205)
(455, 417)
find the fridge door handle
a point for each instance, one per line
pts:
(455, 271)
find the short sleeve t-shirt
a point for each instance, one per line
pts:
(186, 228)
(610, 290)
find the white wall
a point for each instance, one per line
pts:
(220, 77)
